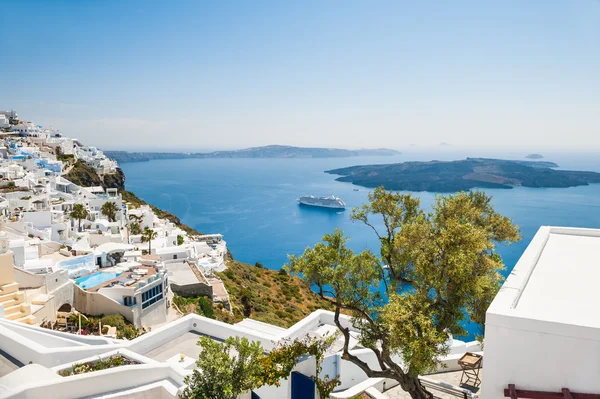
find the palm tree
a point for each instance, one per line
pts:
(110, 210)
(79, 212)
(147, 236)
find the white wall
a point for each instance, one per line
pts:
(93, 384)
(540, 361)
(154, 314)
(39, 218)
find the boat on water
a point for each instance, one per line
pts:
(331, 201)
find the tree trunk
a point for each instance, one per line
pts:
(414, 388)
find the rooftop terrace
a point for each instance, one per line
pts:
(125, 278)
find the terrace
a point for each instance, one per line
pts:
(442, 392)
(185, 344)
(126, 279)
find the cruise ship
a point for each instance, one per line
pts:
(324, 202)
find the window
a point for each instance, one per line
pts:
(152, 295)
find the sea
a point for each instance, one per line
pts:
(252, 202)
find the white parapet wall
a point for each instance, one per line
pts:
(542, 330)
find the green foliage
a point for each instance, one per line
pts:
(199, 304)
(180, 240)
(134, 228)
(83, 175)
(147, 236)
(257, 292)
(225, 370)
(90, 325)
(64, 157)
(88, 367)
(237, 366)
(283, 358)
(109, 209)
(124, 329)
(441, 267)
(79, 212)
(259, 265)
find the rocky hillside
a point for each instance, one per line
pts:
(267, 295)
(85, 176)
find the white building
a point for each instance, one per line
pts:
(4, 122)
(29, 129)
(95, 158)
(137, 292)
(165, 356)
(542, 331)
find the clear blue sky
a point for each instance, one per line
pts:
(225, 74)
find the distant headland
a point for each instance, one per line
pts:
(438, 176)
(534, 156)
(270, 151)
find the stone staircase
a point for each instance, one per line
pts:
(14, 304)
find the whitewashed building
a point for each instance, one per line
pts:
(542, 331)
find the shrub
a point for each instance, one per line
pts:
(88, 367)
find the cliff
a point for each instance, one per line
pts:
(85, 176)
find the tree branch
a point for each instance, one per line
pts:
(384, 373)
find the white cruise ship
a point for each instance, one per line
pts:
(323, 202)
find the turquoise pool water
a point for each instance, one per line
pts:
(95, 279)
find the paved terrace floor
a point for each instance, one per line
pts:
(8, 364)
(452, 377)
(181, 274)
(185, 343)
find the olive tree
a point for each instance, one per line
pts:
(435, 271)
(225, 370)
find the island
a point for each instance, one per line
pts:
(452, 176)
(270, 151)
(534, 156)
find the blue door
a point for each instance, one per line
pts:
(254, 396)
(303, 387)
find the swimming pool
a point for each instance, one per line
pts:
(95, 279)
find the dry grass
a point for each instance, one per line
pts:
(268, 295)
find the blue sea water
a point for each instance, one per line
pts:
(253, 201)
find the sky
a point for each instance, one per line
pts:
(146, 75)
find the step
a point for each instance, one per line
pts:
(29, 319)
(16, 299)
(6, 288)
(19, 315)
(13, 309)
(9, 296)
(41, 299)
